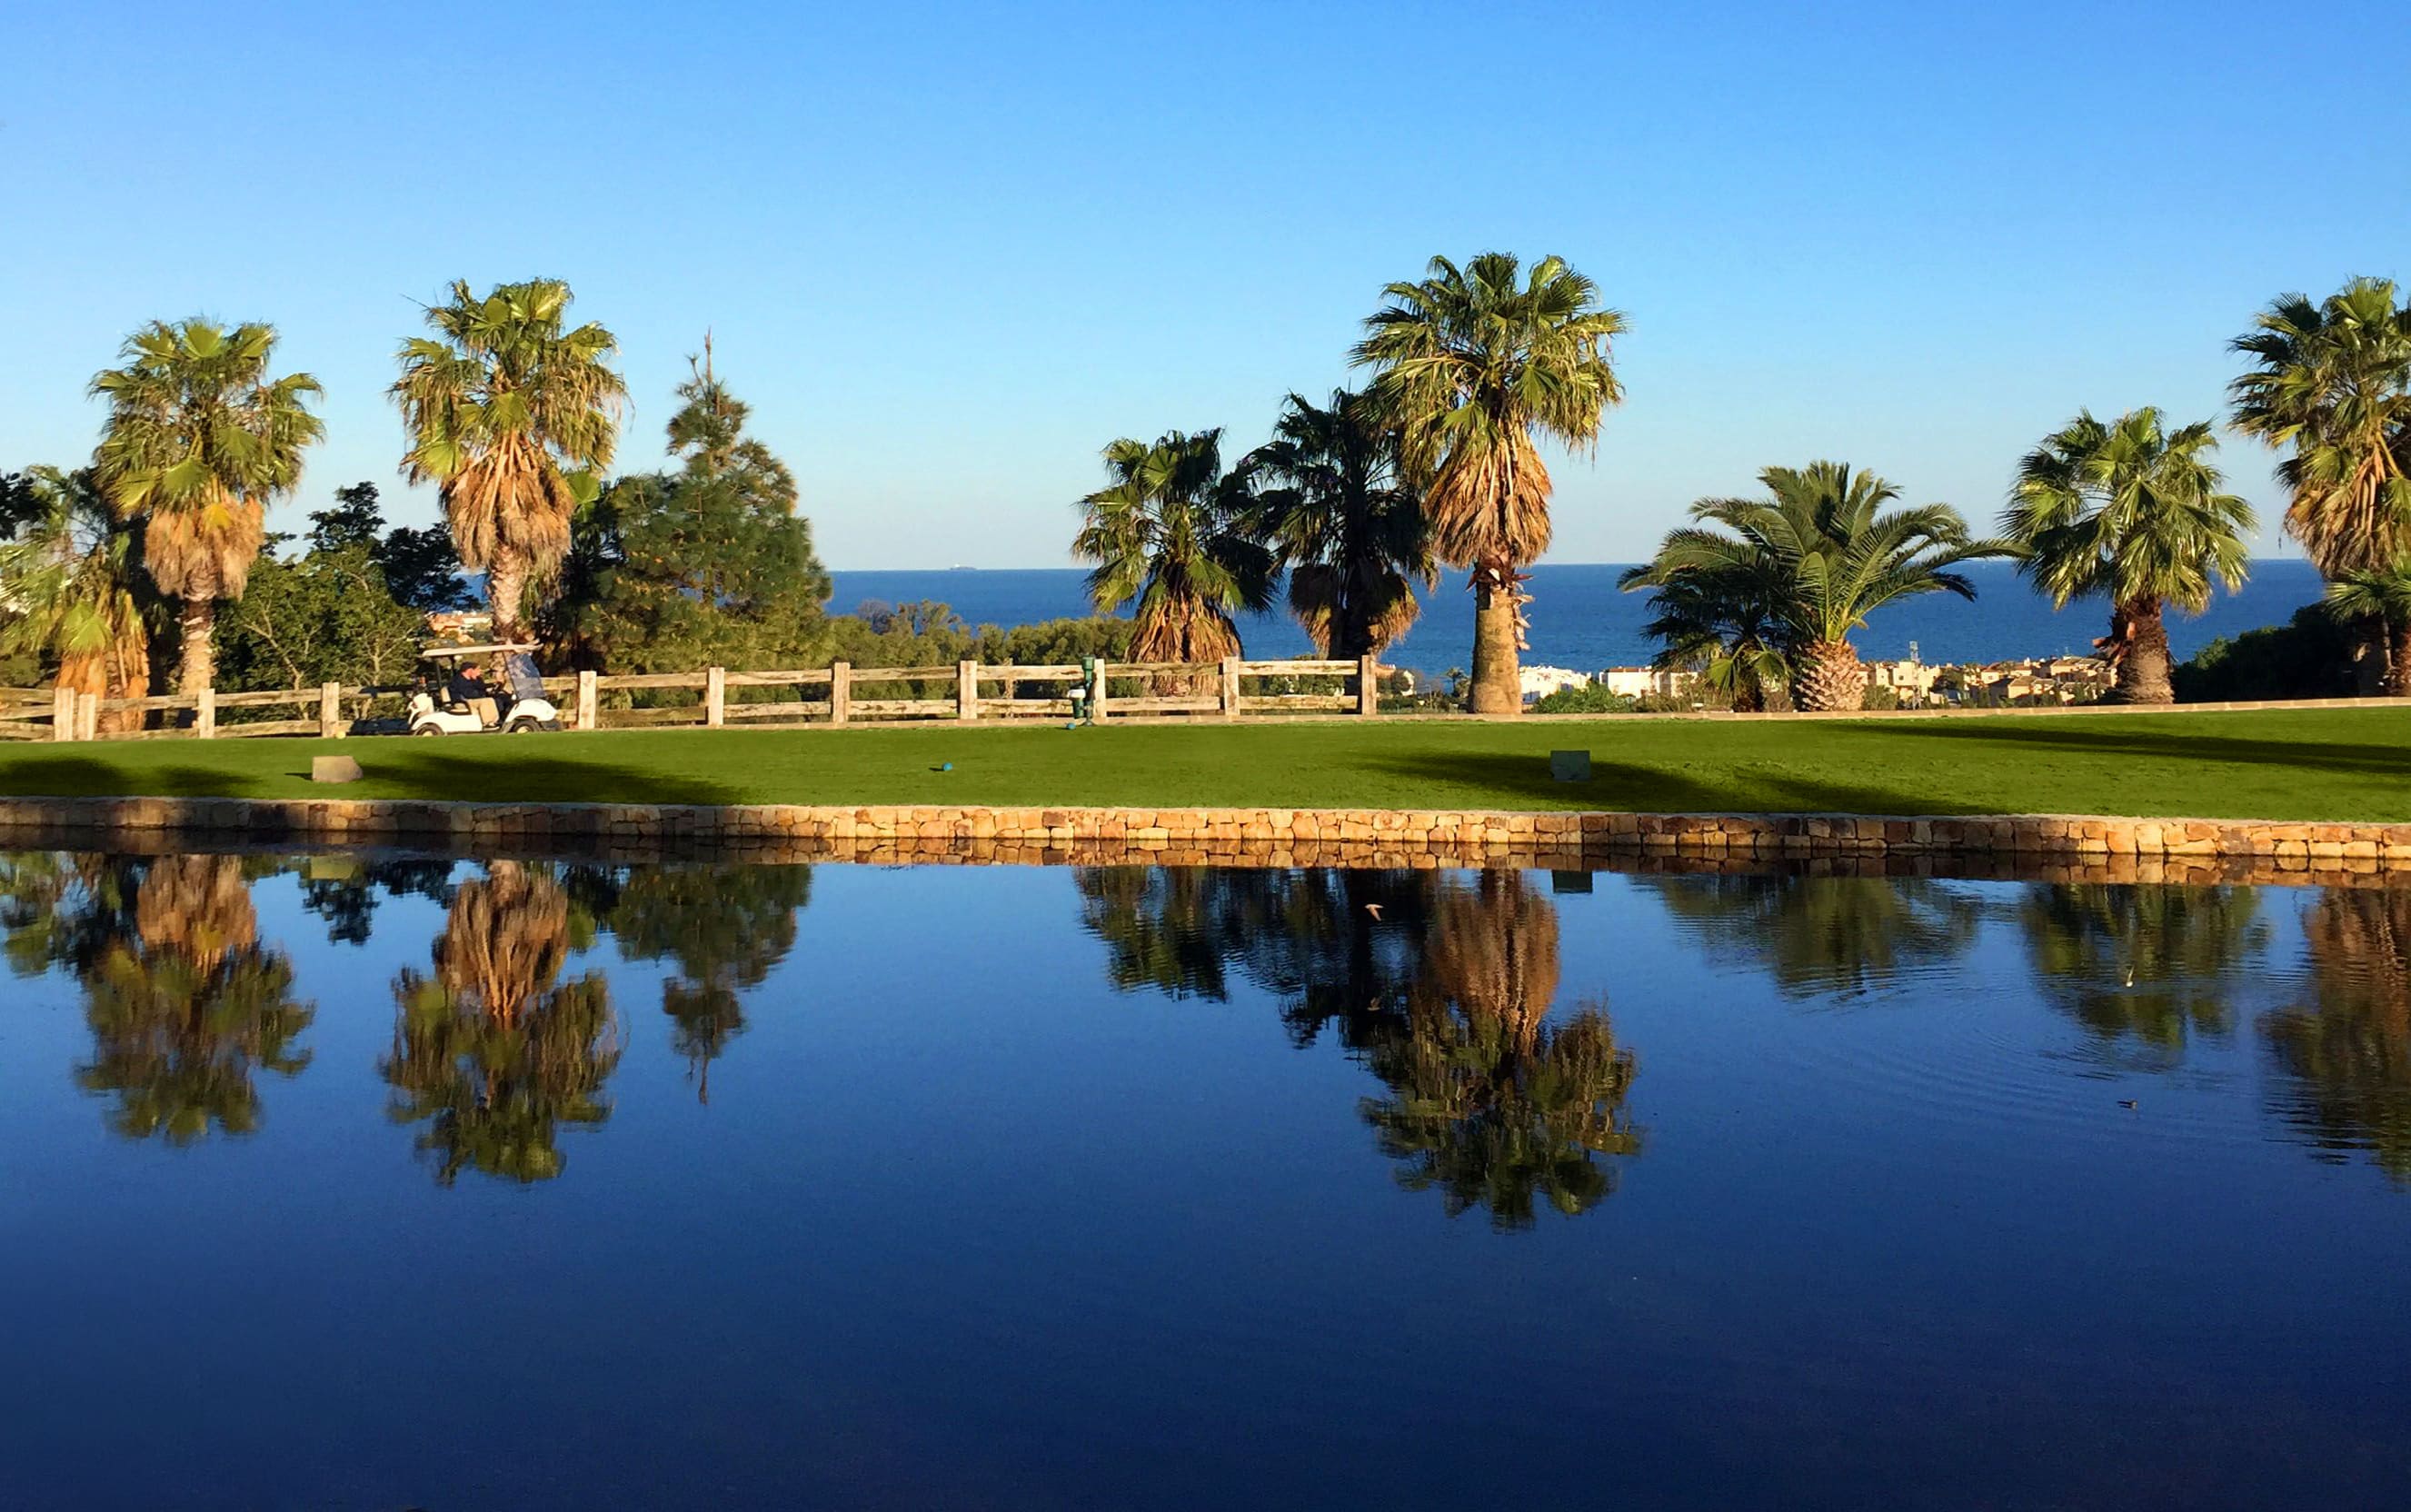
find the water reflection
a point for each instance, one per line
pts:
(186, 1007)
(493, 1051)
(724, 927)
(2346, 1054)
(2143, 968)
(1440, 985)
(1822, 934)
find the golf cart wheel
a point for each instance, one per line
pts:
(520, 727)
(427, 729)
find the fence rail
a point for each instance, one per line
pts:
(835, 695)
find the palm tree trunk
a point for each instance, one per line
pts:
(2143, 671)
(2398, 671)
(1497, 681)
(198, 621)
(1830, 678)
(505, 593)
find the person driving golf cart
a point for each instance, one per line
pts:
(466, 683)
(462, 702)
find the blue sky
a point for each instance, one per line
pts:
(948, 252)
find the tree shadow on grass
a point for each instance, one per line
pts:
(87, 777)
(398, 771)
(2081, 737)
(1524, 781)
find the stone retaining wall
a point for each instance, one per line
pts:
(2114, 849)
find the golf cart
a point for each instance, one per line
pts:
(455, 698)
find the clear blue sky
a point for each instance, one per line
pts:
(948, 252)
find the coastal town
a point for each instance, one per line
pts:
(1908, 683)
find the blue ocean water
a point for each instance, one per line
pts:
(1580, 620)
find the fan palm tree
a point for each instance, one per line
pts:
(1727, 623)
(199, 439)
(1171, 531)
(2332, 390)
(1471, 366)
(1822, 546)
(2380, 595)
(2133, 512)
(1330, 499)
(72, 574)
(511, 415)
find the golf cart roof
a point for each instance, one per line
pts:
(446, 653)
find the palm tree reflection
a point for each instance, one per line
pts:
(1818, 935)
(1441, 986)
(185, 1006)
(493, 1051)
(2145, 967)
(2347, 1054)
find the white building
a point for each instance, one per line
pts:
(1646, 682)
(1539, 682)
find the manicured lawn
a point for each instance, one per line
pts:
(2321, 765)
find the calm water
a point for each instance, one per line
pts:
(1580, 620)
(360, 1183)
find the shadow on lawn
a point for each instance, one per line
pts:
(86, 777)
(2065, 736)
(397, 771)
(1506, 780)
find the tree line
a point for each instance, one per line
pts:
(513, 413)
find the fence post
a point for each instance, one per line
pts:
(330, 711)
(841, 691)
(966, 690)
(1230, 688)
(63, 714)
(1369, 685)
(586, 700)
(205, 714)
(1097, 694)
(715, 697)
(88, 717)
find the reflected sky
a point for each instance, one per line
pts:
(376, 1181)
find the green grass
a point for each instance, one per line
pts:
(2349, 765)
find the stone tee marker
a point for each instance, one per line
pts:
(334, 769)
(1570, 765)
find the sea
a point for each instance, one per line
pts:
(1580, 620)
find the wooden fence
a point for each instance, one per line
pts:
(833, 695)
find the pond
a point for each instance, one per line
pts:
(379, 1181)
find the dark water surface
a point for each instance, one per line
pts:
(366, 1182)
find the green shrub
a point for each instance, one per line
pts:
(1584, 698)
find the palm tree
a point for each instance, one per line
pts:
(2380, 595)
(2333, 388)
(1727, 623)
(1471, 366)
(1822, 547)
(199, 440)
(1171, 531)
(72, 574)
(1330, 499)
(511, 416)
(2135, 513)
